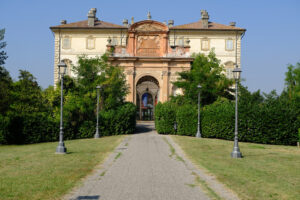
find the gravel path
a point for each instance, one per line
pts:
(142, 168)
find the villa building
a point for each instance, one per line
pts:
(150, 52)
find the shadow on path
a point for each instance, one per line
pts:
(144, 127)
(95, 197)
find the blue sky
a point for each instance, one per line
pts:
(271, 42)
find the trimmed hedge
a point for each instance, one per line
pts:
(187, 119)
(217, 120)
(165, 117)
(27, 128)
(40, 127)
(273, 121)
(118, 121)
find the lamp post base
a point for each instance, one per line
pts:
(61, 149)
(236, 154)
(198, 134)
(97, 134)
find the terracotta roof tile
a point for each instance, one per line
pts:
(84, 24)
(211, 26)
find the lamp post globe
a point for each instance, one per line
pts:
(198, 134)
(61, 149)
(97, 135)
(236, 150)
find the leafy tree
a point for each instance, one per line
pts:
(81, 94)
(5, 79)
(292, 80)
(97, 71)
(30, 119)
(3, 55)
(6, 86)
(206, 71)
(26, 94)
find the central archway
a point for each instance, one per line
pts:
(147, 95)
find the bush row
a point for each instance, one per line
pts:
(41, 127)
(274, 121)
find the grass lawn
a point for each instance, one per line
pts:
(265, 172)
(36, 172)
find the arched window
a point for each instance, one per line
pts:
(229, 66)
(69, 66)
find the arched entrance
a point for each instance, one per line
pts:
(147, 95)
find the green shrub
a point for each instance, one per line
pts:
(4, 123)
(30, 128)
(165, 117)
(87, 129)
(118, 121)
(217, 120)
(298, 134)
(187, 119)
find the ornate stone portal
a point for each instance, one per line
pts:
(149, 64)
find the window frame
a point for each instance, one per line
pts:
(226, 46)
(208, 44)
(63, 46)
(93, 42)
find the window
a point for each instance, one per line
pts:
(181, 42)
(90, 43)
(114, 41)
(205, 44)
(229, 45)
(66, 43)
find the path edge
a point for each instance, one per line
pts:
(98, 170)
(219, 188)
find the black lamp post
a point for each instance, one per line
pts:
(198, 134)
(97, 125)
(236, 150)
(61, 149)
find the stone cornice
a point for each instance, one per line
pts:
(151, 59)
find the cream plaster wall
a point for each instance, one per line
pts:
(79, 39)
(217, 41)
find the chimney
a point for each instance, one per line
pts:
(232, 23)
(63, 22)
(171, 23)
(125, 22)
(92, 17)
(204, 18)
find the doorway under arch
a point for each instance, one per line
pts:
(147, 96)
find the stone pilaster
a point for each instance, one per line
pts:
(56, 58)
(165, 86)
(131, 81)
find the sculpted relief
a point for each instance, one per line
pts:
(148, 28)
(148, 45)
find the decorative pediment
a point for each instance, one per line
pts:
(149, 26)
